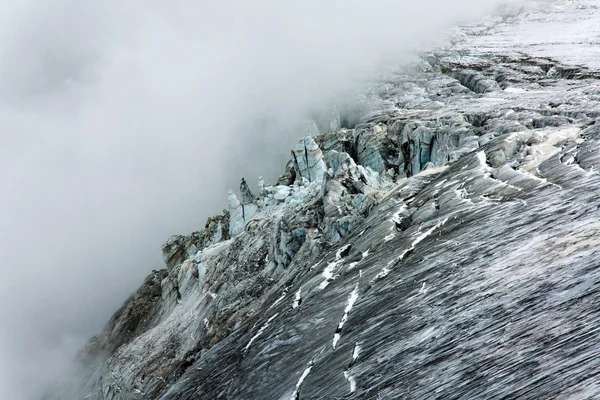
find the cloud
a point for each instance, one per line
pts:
(123, 122)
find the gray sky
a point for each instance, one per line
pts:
(123, 122)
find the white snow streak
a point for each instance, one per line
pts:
(351, 381)
(351, 300)
(396, 217)
(336, 339)
(421, 237)
(356, 352)
(260, 331)
(387, 269)
(279, 300)
(384, 272)
(328, 271)
(302, 378)
(482, 159)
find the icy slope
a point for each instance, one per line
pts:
(445, 247)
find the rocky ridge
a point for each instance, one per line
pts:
(444, 246)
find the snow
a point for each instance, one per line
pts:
(396, 216)
(351, 381)
(482, 159)
(547, 148)
(356, 352)
(384, 272)
(538, 33)
(279, 300)
(260, 331)
(298, 298)
(328, 275)
(302, 378)
(336, 339)
(351, 300)
(387, 269)
(422, 237)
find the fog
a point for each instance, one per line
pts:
(125, 121)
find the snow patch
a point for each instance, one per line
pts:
(482, 159)
(328, 271)
(298, 298)
(328, 275)
(279, 300)
(440, 183)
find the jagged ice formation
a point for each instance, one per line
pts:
(446, 246)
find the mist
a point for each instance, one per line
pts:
(124, 122)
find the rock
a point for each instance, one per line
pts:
(178, 248)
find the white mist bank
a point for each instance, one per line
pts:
(124, 122)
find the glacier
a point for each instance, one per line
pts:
(445, 245)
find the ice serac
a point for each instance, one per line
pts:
(308, 160)
(443, 245)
